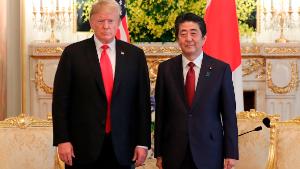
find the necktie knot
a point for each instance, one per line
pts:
(191, 64)
(104, 47)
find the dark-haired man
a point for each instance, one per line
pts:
(195, 105)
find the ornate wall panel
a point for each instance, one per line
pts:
(282, 79)
(270, 70)
(43, 64)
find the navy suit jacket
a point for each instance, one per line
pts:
(209, 127)
(79, 102)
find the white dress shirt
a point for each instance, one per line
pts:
(197, 67)
(111, 51)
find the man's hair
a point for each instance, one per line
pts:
(190, 17)
(103, 4)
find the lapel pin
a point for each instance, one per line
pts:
(122, 53)
(207, 74)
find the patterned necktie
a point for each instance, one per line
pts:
(190, 84)
(107, 75)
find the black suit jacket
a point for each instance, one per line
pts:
(79, 102)
(208, 127)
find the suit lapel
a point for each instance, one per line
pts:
(179, 81)
(205, 71)
(120, 66)
(94, 64)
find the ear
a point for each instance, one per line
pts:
(203, 40)
(92, 23)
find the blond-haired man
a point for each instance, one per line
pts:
(101, 102)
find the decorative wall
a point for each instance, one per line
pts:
(270, 70)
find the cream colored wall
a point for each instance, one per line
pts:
(3, 60)
(13, 58)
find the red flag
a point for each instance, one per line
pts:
(123, 33)
(222, 40)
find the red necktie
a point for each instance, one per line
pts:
(190, 84)
(107, 75)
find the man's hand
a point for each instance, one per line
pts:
(229, 163)
(140, 155)
(65, 152)
(159, 162)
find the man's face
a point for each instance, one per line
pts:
(105, 24)
(190, 39)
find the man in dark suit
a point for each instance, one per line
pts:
(195, 120)
(101, 98)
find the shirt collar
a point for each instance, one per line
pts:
(111, 45)
(197, 61)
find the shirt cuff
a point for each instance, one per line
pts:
(144, 147)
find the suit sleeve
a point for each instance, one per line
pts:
(61, 99)
(159, 112)
(229, 116)
(144, 108)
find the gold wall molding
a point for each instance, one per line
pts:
(38, 48)
(256, 115)
(39, 79)
(254, 65)
(251, 49)
(295, 120)
(48, 51)
(247, 49)
(49, 57)
(172, 49)
(292, 85)
(281, 50)
(23, 121)
(160, 48)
